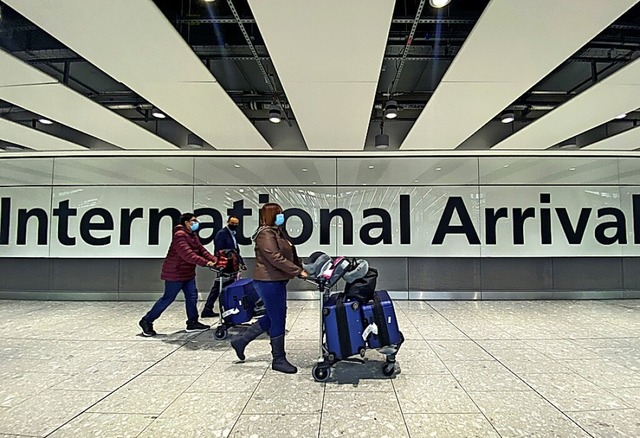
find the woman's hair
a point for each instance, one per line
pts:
(186, 217)
(268, 214)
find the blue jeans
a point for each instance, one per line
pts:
(274, 295)
(171, 290)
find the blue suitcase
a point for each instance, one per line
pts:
(237, 301)
(343, 328)
(380, 312)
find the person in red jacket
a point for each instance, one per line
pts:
(179, 273)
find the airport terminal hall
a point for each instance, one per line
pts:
(320, 218)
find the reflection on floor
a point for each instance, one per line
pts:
(467, 369)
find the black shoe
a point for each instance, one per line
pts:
(208, 313)
(147, 328)
(197, 327)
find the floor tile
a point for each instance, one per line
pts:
(450, 426)
(46, 411)
(432, 394)
(144, 395)
(286, 394)
(617, 423)
(104, 376)
(362, 415)
(604, 373)
(524, 414)
(571, 392)
(276, 425)
(104, 425)
(485, 376)
(199, 415)
(459, 350)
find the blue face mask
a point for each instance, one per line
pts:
(195, 226)
(279, 219)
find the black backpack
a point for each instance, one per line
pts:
(363, 288)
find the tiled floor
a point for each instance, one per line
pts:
(467, 369)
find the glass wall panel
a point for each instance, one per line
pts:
(26, 171)
(123, 171)
(407, 171)
(278, 171)
(548, 170)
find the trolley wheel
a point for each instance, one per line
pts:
(221, 333)
(320, 374)
(355, 305)
(362, 352)
(388, 369)
(331, 357)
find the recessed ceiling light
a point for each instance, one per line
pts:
(169, 169)
(155, 112)
(236, 166)
(45, 121)
(371, 167)
(314, 182)
(621, 116)
(506, 165)
(241, 190)
(572, 169)
(507, 117)
(304, 169)
(438, 169)
(439, 3)
(364, 184)
(415, 181)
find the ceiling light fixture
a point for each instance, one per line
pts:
(194, 142)
(155, 112)
(382, 139)
(45, 121)
(507, 117)
(439, 3)
(275, 115)
(391, 109)
(621, 116)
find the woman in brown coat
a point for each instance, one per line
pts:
(276, 263)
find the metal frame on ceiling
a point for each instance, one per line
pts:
(422, 44)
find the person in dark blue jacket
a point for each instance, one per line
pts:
(224, 239)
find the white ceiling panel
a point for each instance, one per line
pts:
(449, 122)
(538, 34)
(328, 56)
(625, 141)
(110, 35)
(43, 95)
(17, 133)
(617, 94)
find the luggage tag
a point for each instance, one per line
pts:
(230, 312)
(371, 328)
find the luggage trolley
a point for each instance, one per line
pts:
(236, 302)
(325, 273)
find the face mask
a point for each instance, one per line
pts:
(195, 226)
(279, 219)
(232, 227)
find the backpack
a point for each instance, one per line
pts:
(363, 288)
(233, 260)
